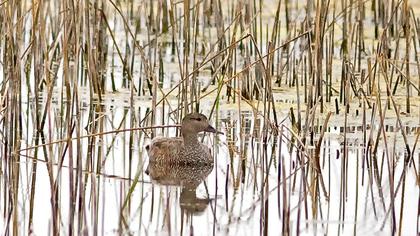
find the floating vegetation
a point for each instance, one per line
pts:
(319, 102)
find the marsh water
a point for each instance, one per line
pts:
(229, 197)
(311, 145)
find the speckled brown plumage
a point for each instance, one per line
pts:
(188, 176)
(186, 150)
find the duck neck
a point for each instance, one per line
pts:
(190, 139)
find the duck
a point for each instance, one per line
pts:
(187, 149)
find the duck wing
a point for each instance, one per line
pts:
(163, 149)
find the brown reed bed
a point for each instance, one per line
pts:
(86, 83)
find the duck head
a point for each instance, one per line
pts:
(194, 123)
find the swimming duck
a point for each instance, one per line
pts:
(186, 149)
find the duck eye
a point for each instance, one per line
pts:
(197, 119)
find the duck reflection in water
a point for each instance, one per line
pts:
(188, 177)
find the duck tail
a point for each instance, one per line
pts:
(147, 170)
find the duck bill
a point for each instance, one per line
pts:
(212, 130)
